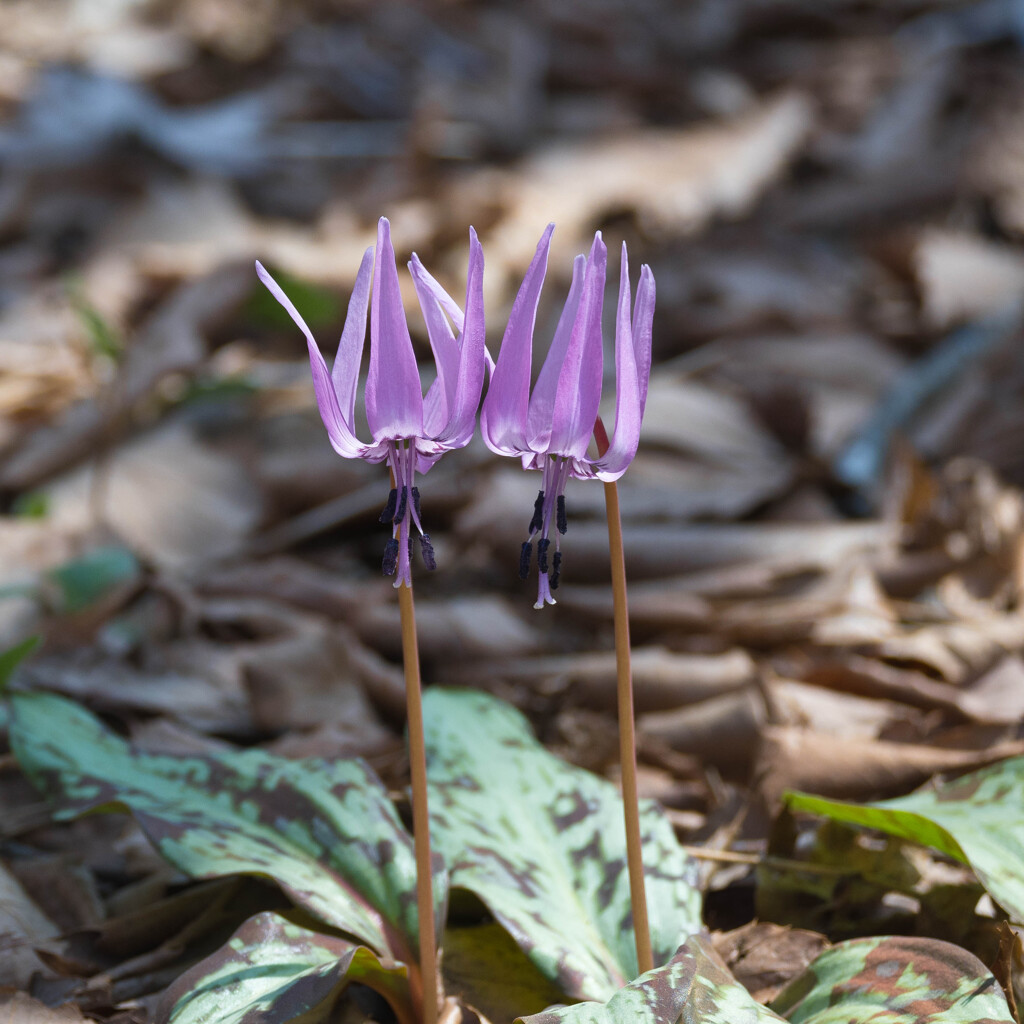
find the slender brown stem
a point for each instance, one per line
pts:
(423, 981)
(420, 816)
(627, 727)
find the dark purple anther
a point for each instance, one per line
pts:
(388, 515)
(542, 554)
(538, 514)
(524, 560)
(390, 562)
(427, 551)
(556, 570)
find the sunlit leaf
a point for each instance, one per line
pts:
(978, 819)
(694, 986)
(325, 831)
(543, 845)
(273, 970)
(895, 980)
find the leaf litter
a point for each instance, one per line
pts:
(823, 524)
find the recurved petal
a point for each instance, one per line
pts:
(472, 354)
(504, 411)
(427, 280)
(578, 395)
(345, 372)
(440, 398)
(542, 401)
(628, 404)
(643, 331)
(394, 396)
(339, 430)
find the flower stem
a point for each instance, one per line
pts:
(420, 816)
(425, 985)
(627, 726)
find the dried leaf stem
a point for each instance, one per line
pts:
(627, 727)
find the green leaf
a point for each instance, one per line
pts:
(325, 831)
(543, 845)
(84, 581)
(273, 971)
(895, 980)
(978, 819)
(694, 986)
(13, 657)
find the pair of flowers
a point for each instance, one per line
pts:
(550, 428)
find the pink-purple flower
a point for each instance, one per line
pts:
(410, 431)
(551, 428)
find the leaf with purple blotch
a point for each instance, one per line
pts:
(273, 970)
(898, 979)
(325, 831)
(543, 845)
(695, 986)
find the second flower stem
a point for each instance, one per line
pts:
(627, 727)
(420, 813)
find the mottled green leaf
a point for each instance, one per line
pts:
(272, 971)
(543, 845)
(978, 819)
(325, 831)
(693, 987)
(895, 980)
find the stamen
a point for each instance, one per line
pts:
(538, 514)
(524, 560)
(388, 515)
(542, 554)
(560, 519)
(403, 501)
(416, 502)
(390, 561)
(556, 570)
(427, 549)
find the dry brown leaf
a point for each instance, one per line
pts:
(173, 499)
(721, 730)
(21, 1008)
(764, 957)
(856, 768)
(963, 276)
(22, 926)
(171, 341)
(676, 180)
(826, 711)
(662, 679)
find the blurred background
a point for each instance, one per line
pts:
(823, 525)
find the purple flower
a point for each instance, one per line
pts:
(410, 431)
(551, 428)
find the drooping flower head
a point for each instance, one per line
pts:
(551, 428)
(410, 430)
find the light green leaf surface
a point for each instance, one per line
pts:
(694, 987)
(272, 971)
(325, 831)
(978, 819)
(543, 845)
(895, 980)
